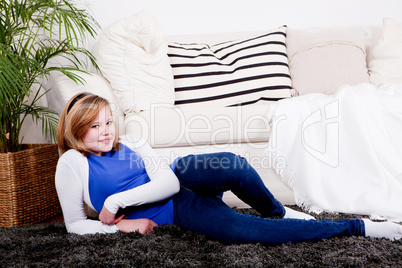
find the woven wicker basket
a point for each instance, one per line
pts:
(27, 188)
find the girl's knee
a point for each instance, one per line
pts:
(234, 163)
(239, 162)
(223, 161)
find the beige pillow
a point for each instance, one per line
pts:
(323, 59)
(385, 65)
(132, 55)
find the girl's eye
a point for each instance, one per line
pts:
(95, 126)
(109, 122)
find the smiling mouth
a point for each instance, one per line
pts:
(106, 140)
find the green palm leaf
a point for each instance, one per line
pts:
(34, 34)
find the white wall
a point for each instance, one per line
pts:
(209, 16)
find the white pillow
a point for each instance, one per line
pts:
(323, 59)
(132, 55)
(94, 84)
(234, 72)
(385, 65)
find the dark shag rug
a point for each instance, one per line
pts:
(49, 245)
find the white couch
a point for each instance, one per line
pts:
(320, 60)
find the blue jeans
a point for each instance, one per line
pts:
(199, 207)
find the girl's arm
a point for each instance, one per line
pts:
(70, 176)
(163, 184)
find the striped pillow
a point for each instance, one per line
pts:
(232, 73)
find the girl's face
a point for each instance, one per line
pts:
(100, 136)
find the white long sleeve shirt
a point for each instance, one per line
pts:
(72, 175)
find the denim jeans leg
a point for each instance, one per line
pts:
(212, 174)
(210, 216)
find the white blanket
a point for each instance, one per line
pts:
(343, 152)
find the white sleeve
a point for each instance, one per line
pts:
(71, 169)
(163, 184)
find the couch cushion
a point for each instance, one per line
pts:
(132, 55)
(166, 127)
(385, 65)
(323, 59)
(240, 71)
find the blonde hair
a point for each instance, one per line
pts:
(75, 120)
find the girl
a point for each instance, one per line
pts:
(125, 181)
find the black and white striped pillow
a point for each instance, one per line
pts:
(232, 73)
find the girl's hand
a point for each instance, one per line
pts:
(143, 226)
(107, 217)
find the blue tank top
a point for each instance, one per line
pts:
(118, 171)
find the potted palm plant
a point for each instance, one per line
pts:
(33, 34)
